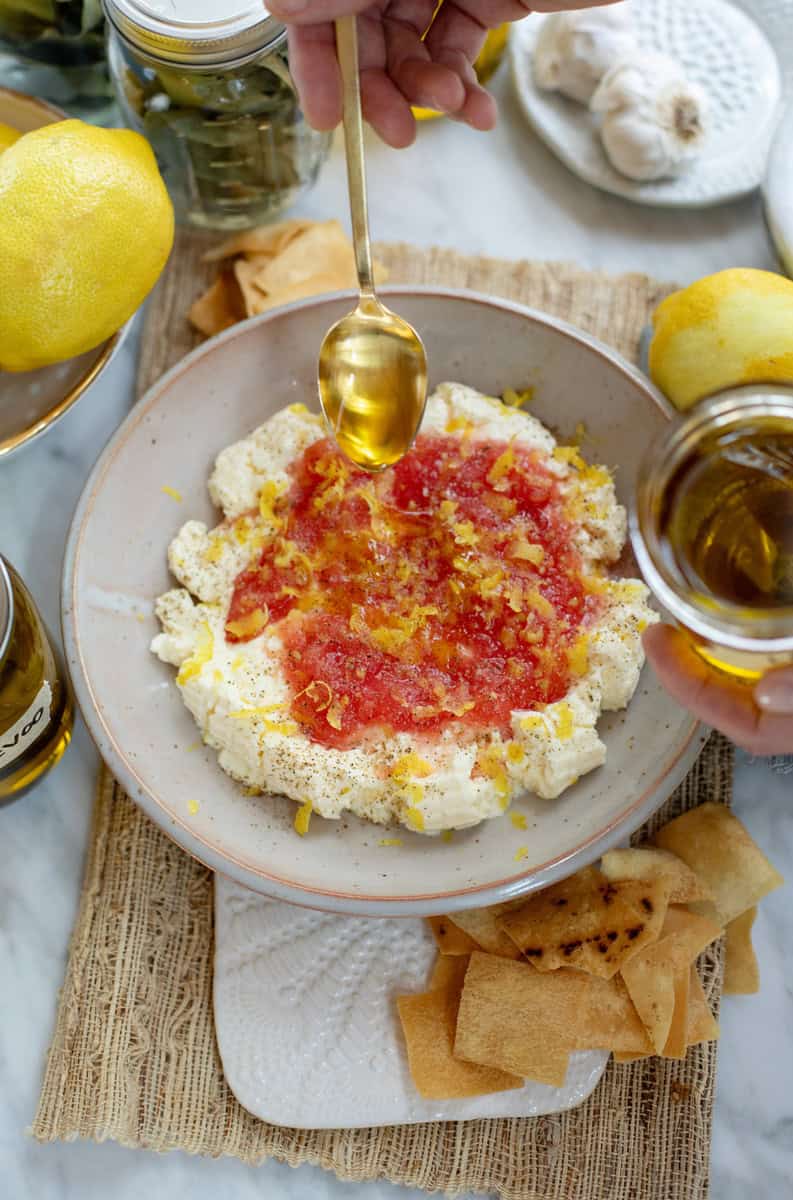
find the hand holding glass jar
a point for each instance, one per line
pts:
(713, 532)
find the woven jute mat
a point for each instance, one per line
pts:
(133, 1056)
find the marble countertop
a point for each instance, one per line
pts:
(503, 195)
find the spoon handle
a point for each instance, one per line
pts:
(347, 50)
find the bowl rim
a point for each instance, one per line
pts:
(108, 348)
(255, 878)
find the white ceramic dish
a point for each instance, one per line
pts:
(778, 190)
(116, 565)
(340, 1063)
(741, 53)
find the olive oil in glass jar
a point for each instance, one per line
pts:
(36, 705)
(713, 528)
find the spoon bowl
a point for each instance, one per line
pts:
(373, 384)
(372, 364)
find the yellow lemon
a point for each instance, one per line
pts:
(8, 136)
(728, 329)
(86, 227)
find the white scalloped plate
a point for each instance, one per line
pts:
(741, 53)
(778, 190)
(306, 1020)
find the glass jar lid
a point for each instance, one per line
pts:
(6, 609)
(196, 33)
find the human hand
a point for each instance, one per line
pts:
(758, 719)
(398, 69)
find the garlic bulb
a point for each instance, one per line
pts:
(654, 119)
(574, 50)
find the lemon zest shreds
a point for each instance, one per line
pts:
(193, 807)
(539, 604)
(564, 722)
(172, 492)
(532, 721)
(517, 399)
(408, 765)
(518, 820)
(390, 842)
(490, 762)
(501, 467)
(569, 455)
(319, 693)
(415, 819)
(205, 648)
(521, 853)
(459, 423)
(578, 655)
(267, 499)
(303, 818)
(527, 552)
(214, 551)
(447, 835)
(250, 625)
(335, 711)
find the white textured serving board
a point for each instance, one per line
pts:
(307, 1027)
(741, 53)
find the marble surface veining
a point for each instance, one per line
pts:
(504, 195)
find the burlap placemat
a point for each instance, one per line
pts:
(133, 1056)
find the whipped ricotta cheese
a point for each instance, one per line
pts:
(240, 698)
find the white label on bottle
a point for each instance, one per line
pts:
(30, 725)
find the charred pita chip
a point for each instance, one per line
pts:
(649, 862)
(655, 977)
(513, 1018)
(265, 239)
(677, 1042)
(650, 979)
(611, 1021)
(588, 922)
(449, 973)
(219, 308)
(482, 926)
(741, 972)
(702, 1025)
(449, 938)
(715, 844)
(428, 1023)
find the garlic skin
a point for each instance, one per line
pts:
(574, 50)
(654, 118)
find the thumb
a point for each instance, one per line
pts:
(774, 692)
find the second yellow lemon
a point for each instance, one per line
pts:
(86, 226)
(728, 329)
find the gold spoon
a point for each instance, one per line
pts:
(372, 364)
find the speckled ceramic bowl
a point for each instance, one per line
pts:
(116, 565)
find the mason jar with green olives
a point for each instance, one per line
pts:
(208, 83)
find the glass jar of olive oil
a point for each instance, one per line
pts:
(208, 83)
(36, 706)
(713, 528)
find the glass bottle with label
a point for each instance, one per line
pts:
(36, 706)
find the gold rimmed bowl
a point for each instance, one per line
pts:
(32, 401)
